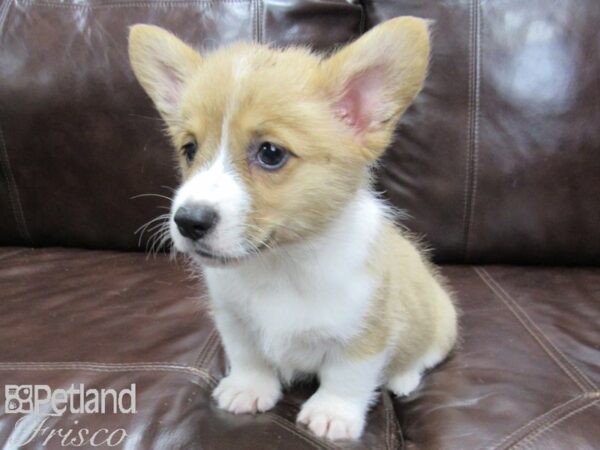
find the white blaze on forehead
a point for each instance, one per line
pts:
(242, 68)
(217, 184)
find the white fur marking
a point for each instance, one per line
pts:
(247, 393)
(216, 184)
(289, 301)
(338, 409)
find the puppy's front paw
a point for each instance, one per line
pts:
(250, 393)
(332, 417)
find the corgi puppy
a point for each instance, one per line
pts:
(306, 271)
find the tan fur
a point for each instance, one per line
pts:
(412, 311)
(291, 97)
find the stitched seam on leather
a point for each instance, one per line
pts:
(527, 322)
(537, 433)
(263, 18)
(391, 424)
(472, 123)
(388, 424)
(468, 128)
(260, 21)
(131, 4)
(591, 385)
(111, 367)
(253, 15)
(475, 125)
(536, 422)
(211, 356)
(13, 191)
(308, 438)
(530, 326)
(201, 359)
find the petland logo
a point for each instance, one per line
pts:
(40, 403)
(40, 399)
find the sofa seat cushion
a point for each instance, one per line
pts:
(526, 373)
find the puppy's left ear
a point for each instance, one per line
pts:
(372, 81)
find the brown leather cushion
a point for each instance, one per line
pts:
(527, 373)
(528, 370)
(498, 159)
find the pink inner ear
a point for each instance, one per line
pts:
(362, 99)
(172, 86)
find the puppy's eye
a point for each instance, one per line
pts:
(271, 156)
(189, 151)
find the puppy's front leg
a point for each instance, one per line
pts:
(251, 386)
(339, 407)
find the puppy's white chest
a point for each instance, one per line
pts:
(294, 318)
(299, 305)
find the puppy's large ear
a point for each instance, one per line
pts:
(162, 64)
(372, 81)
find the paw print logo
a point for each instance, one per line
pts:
(18, 398)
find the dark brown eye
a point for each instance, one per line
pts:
(189, 151)
(271, 156)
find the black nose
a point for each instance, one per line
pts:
(195, 222)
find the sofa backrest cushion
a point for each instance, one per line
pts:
(498, 160)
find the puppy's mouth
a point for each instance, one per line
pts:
(218, 258)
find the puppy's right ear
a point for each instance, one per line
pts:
(162, 64)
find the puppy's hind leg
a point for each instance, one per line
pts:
(407, 379)
(404, 383)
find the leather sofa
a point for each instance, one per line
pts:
(497, 165)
